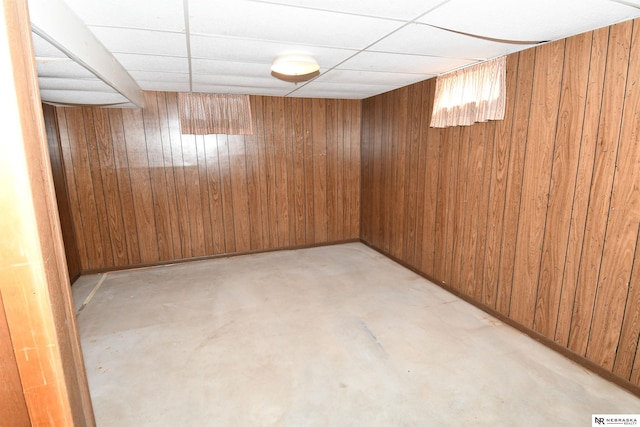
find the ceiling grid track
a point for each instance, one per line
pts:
(363, 48)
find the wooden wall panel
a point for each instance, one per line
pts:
(537, 216)
(592, 107)
(141, 192)
(62, 193)
(534, 197)
(565, 158)
(601, 186)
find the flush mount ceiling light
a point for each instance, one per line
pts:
(295, 67)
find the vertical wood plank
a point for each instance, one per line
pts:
(431, 203)
(289, 153)
(308, 112)
(331, 166)
(483, 210)
(592, 107)
(168, 169)
(635, 373)
(354, 183)
(498, 188)
(426, 177)
(474, 190)
(95, 167)
(564, 171)
(140, 185)
(342, 220)
(215, 210)
(630, 333)
(177, 160)
(74, 198)
(398, 189)
(441, 226)
(526, 61)
(204, 207)
(86, 200)
(280, 173)
(238, 182)
(111, 191)
(536, 179)
(621, 237)
(155, 157)
(253, 181)
(453, 144)
(270, 172)
(410, 174)
(62, 190)
(227, 196)
(121, 163)
(379, 173)
(299, 175)
(461, 207)
(319, 169)
(260, 137)
(193, 195)
(601, 187)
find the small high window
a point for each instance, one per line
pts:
(205, 113)
(472, 94)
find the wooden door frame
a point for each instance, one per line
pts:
(34, 280)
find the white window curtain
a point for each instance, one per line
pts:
(469, 95)
(205, 113)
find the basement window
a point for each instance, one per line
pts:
(207, 113)
(469, 95)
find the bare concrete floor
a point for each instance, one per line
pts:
(331, 336)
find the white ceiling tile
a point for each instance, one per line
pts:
(125, 40)
(163, 86)
(265, 21)
(62, 68)
(165, 15)
(233, 42)
(236, 90)
(403, 10)
(160, 76)
(243, 50)
(265, 81)
(81, 97)
(137, 62)
(338, 92)
(422, 39)
(218, 67)
(528, 20)
(63, 83)
(43, 49)
(371, 77)
(398, 63)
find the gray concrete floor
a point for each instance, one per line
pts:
(330, 336)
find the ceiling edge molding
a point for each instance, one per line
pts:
(54, 21)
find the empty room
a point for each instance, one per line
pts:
(320, 213)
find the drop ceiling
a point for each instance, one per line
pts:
(364, 47)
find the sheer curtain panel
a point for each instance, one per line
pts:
(206, 113)
(472, 94)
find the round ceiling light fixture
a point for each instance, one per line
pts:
(295, 67)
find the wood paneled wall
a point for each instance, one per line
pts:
(62, 197)
(536, 216)
(141, 192)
